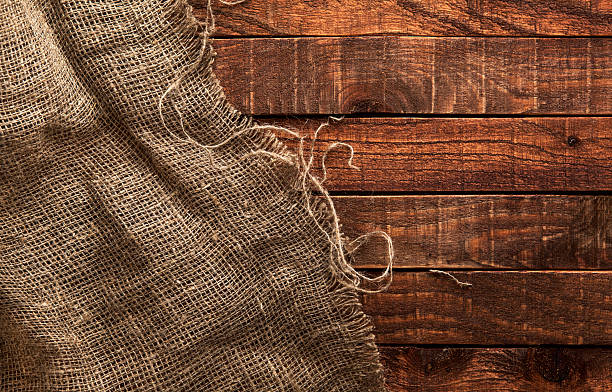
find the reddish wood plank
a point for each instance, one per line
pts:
(466, 155)
(413, 17)
(410, 369)
(417, 75)
(500, 308)
(475, 232)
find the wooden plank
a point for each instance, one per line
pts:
(410, 369)
(476, 232)
(393, 74)
(412, 17)
(466, 155)
(500, 308)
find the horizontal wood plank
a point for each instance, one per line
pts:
(393, 74)
(410, 369)
(499, 308)
(413, 17)
(476, 232)
(465, 155)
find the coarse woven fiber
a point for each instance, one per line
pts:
(152, 238)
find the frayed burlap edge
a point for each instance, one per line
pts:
(342, 280)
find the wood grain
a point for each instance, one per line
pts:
(413, 17)
(411, 369)
(381, 73)
(476, 232)
(465, 155)
(417, 75)
(500, 308)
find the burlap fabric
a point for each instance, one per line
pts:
(152, 238)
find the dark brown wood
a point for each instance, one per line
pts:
(500, 308)
(459, 75)
(410, 369)
(476, 232)
(417, 75)
(413, 17)
(466, 155)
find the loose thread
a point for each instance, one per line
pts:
(331, 147)
(362, 239)
(340, 266)
(235, 2)
(344, 267)
(452, 277)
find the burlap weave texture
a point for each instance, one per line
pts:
(150, 237)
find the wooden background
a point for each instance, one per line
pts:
(483, 131)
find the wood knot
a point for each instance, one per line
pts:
(552, 365)
(365, 106)
(572, 141)
(557, 366)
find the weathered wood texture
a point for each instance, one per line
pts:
(476, 232)
(500, 308)
(412, 369)
(465, 155)
(413, 17)
(459, 76)
(417, 75)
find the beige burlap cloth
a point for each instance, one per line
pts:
(152, 238)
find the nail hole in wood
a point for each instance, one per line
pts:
(572, 141)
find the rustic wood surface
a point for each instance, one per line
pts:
(503, 182)
(413, 17)
(465, 155)
(482, 232)
(500, 308)
(412, 369)
(390, 74)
